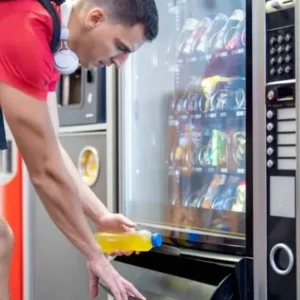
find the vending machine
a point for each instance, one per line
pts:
(186, 152)
(11, 208)
(282, 154)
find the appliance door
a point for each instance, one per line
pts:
(54, 268)
(184, 111)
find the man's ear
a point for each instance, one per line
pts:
(95, 17)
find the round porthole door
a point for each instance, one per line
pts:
(88, 165)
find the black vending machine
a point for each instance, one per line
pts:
(281, 106)
(185, 154)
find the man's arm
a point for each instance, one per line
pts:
(30, 123)
(92, 206)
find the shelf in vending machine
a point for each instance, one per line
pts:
(219, 115)
(235, 54)
(211, 170)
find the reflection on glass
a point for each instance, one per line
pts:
(184, 140)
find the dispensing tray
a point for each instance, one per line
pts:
(166, 277)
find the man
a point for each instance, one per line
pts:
(101, 33)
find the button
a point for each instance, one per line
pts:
(272, 61)
(270, 151)
(288, 37)
(270, 163)
(280, 39)
(287, 69)
(272, 51)
(270, 114)
(270, 139)
(288, 48)
(271, 95)
(280, 60)
(272, 71)
(270, 126)
(280, 70)
(272, 40)
(287, 59)
(280, 49)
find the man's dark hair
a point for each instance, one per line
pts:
(132, 12)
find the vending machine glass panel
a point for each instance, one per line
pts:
(184, 130)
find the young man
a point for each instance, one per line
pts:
(101, 33)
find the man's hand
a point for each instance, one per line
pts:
(101, 269)
(115, 223)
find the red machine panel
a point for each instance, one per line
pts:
(11, 209)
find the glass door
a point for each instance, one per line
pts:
(184, 114)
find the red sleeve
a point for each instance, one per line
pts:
(26, 60)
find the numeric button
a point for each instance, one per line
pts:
(272, 40)
(288, 69)
(280, 60)
(280, 39)
(288, 48)
(280, 70)
(288, 37)
(287, 59)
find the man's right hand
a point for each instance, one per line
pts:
(100, 269)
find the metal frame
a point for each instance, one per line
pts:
(297, 76)
(259, 150)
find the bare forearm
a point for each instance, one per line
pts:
(91, 205)
(59, 196)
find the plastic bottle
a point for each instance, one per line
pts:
(141, 241)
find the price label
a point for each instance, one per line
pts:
(241, 171)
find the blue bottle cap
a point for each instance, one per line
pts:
(193, 237)
(156, 240)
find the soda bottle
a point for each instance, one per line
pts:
(141, 241)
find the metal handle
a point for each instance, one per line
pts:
(290, 256)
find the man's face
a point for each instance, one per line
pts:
(103, 42)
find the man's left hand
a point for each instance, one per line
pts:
(116, 223)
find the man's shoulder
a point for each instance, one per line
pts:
(26, 16)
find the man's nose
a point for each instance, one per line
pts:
(120, 59)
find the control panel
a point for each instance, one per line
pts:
(281, 148)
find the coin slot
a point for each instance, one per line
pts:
(285, 93)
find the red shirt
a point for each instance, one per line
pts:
(26, 60)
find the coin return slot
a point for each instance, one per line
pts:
(71, 91)
(285, 93)
(286, 113)
(286, 139)
(282, 259)
(286, 126)
(286, 164)
(286, 152)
